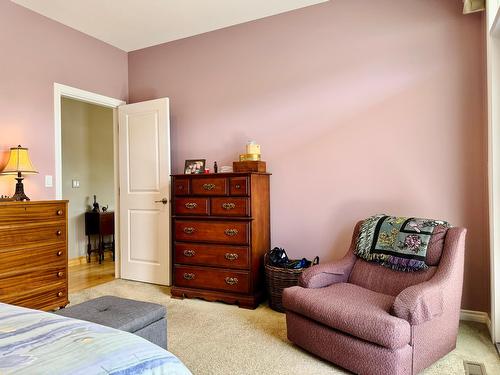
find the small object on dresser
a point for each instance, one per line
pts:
(105, 208)
(95, 205)
(249, 166)
(194, 166)
(249, 157)
(252, 152)
(253, 148)
(6, 198)
(281, 273)
(226, 169)
(216, 167)
(19, 163)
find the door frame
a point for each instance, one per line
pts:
(492, 34)
(63, 91)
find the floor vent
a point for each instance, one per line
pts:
(474, 368)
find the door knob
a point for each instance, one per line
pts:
(164, 201)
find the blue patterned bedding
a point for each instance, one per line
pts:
(36, 342)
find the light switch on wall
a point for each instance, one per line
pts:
(48, 181)
(75, 184)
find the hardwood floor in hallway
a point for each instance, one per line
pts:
(87, 275)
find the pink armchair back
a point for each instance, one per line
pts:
(385, 280)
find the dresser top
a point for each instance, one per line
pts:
(5, 203)
(232, 174)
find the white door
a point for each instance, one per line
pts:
(144, 158)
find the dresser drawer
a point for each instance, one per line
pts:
(209, 186)
(29, 212)
(181, 186)
(34, 258)
(238, 186)
(26, 283)
(47, 298)
(191, 206)
(32, 234)
(209, 278)
(231, 232)
(229, 207)
(211, 255)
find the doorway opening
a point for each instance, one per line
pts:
(86, 165)
(88, 184)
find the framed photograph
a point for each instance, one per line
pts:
(194, 166)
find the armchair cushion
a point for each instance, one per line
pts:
(351, 309)
(419, 303)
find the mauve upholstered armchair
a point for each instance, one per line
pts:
(371, 319)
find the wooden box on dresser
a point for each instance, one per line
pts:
(221, 231)
(33, 254)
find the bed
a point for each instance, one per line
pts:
(36, 342)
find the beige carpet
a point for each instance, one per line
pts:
(214, 338)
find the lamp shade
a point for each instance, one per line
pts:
(19, 161)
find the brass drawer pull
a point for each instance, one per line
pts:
(188, 230)
(189, 276)
(228, 206)
(209, 186)
(231, 256)
(58, 233)
(191, 205)
(189, 253)
(231, 232)
(231, 280)
(60, 294)
(237, 186)
(60, 274)
(59, 253)
(59, 212)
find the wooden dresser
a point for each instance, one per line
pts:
(33, 254)
(221, 231)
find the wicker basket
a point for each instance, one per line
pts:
(278, 279)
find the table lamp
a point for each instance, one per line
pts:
(19, 162)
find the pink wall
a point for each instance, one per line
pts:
(360, 107)
(35, 53)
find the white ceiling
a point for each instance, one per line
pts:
(136, 24)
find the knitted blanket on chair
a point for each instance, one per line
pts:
(399, 243)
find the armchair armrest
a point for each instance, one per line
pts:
(419, 303)
(326, 274)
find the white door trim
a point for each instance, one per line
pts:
(493, 78)
(63, 91)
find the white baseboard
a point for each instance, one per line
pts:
(476, 316)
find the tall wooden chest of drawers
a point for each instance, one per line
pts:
(221, 231)
(33, 254)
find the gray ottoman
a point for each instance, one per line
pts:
(144, 319)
